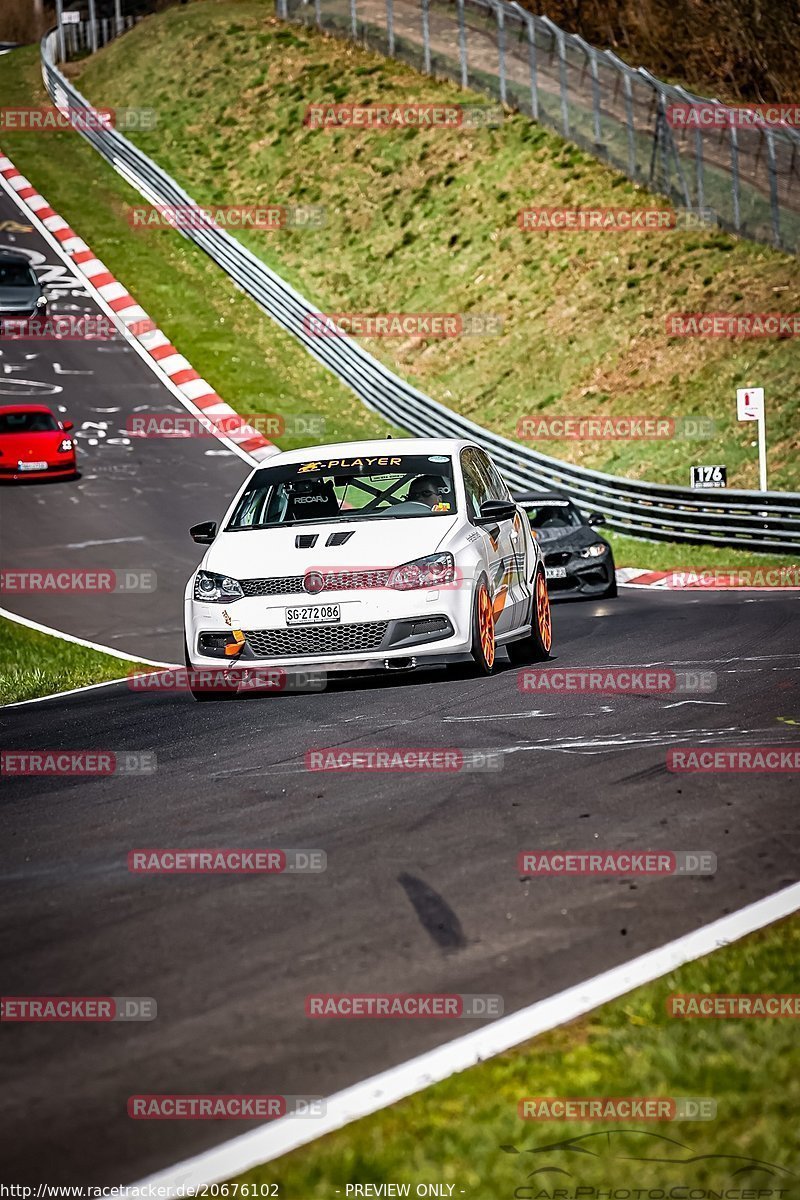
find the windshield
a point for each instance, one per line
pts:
(554, 514)
(351, 489)
(14, 274)
(27, 422)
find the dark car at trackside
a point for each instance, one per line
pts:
(21, 294)
(578, 561)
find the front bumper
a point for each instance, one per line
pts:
(62, 470)
(583, 576)
(378, 629)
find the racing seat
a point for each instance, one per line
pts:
(312, 499)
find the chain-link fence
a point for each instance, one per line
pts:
(697, 152)
(87, 37)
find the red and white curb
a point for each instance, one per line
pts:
(194, 392)
(745, 579)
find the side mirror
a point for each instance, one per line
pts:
(493, 511)
(596, 519)
(67, 425)
(204, 533)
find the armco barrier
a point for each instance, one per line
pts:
(761, 521)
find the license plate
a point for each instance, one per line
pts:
(314, 614)
(32, 466)
(555, 572)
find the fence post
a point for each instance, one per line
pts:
(93, 26)
(118, 26)
(501, 49)
(774, 203)
(698, 162)
(62, 49)
(462, 42)
(353, 19)
(598, 137)
(532, 65)
(389, 25)
(737, 215)
(628, 89)
(558, 34)
(426, 36)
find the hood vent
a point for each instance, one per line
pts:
(306, 541)
(339, 539)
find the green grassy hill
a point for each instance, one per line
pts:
(425, 221)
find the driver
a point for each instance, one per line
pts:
(427, 489)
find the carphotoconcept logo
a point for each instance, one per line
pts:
(616, 681)
(76, 582)
(398, 1005)
(78, 762)
(409, 758)
(227, 861)
(430, 325)
(77, 1009)
(540, 863)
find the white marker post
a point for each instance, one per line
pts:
(750, 407)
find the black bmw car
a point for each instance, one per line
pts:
(577, 560)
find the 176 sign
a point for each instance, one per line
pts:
(709, 477)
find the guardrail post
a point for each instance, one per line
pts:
(501, 50)
(426, 36)
(462, 42)
(390, 26)
(774, 203)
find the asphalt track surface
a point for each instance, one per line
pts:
(136, 498)
(421, 891)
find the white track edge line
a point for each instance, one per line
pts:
(143, 353)
(87, 687)
(79, 641)
(271, 1141)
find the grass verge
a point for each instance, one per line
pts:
(425, 220)
(37, 664)
(466, 1131)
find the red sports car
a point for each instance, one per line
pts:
(34, 443)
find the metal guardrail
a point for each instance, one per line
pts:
(768, 521)
(725, 168)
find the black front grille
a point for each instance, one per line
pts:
(317, 640)
(334, 581)
(559, 559)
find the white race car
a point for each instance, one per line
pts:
(368, 556)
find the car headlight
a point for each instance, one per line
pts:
(594, 551)
(219, 589)
(41, 301)
(65, 445)
(434, 570)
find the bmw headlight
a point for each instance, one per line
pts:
(594, 551)
(64, 445)
(218, 589)
(434, 570)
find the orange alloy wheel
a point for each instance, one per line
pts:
(543, 619)
(486, 625)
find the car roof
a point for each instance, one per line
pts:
(384, 447)
(6, 408)
(14, 256)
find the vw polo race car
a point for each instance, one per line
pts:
(369, 556)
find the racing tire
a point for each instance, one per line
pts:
(204, 695)
(484, 645)
(536, 646)
(611, 590)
